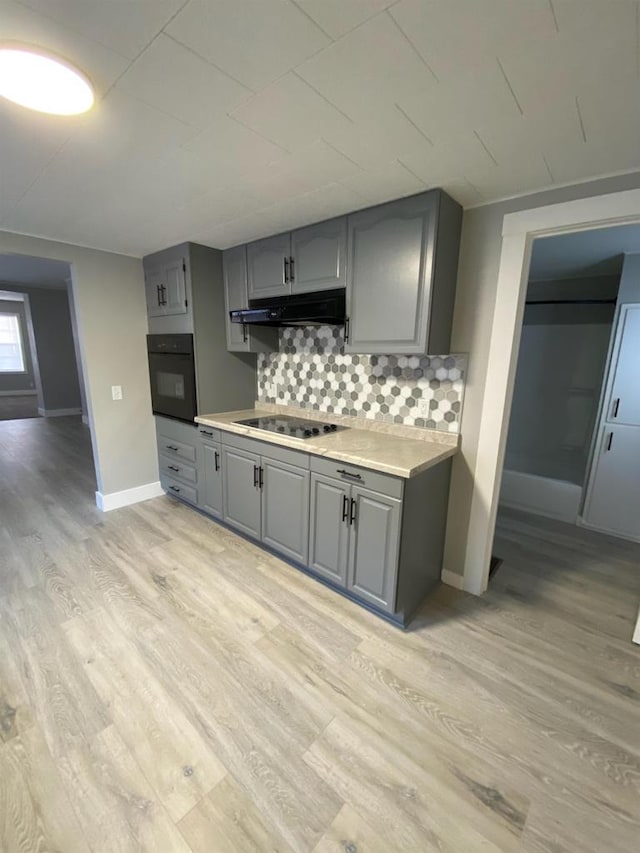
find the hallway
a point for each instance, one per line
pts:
(167, 686)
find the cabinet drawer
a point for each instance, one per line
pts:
(178, 489)
(265, 448)
(172, 448)
(174, 468)
(208, 433)
(386, 484)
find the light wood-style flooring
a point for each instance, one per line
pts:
(167, 686)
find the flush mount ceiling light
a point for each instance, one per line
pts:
(43, 82)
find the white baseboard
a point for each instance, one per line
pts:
(115, 500)
(452, 579)
(58, 413)
(636, 633)
(628, 537)
(18, 393)
(85, 420)
(541, 495)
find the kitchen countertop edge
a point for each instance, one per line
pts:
(435, 452)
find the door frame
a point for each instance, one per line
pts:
(519, 230)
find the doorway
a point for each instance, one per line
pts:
(520, 230)
(40, 369)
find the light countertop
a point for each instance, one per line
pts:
(367, 447)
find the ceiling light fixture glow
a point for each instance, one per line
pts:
(43, 82)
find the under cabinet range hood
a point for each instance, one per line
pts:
(324, 308)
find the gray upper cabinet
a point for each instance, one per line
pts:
(329, 528)
(268, 266)
(242, 490)
(285, 509)
(240, 337)
(319, 254)
(166, 288)
(401, 275)
(374, 547)
(211, 486)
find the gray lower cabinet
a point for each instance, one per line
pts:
(374, 547)
(355, 539)
(211, 485)
(285, 509)
(242, 504)
(329, 530)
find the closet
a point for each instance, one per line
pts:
(613, 496)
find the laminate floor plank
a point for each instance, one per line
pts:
(166, 685)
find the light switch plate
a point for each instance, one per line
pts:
(116, 392)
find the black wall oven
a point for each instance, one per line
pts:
(172, 371)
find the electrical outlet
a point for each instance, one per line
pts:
(423, 409)
(116, 392)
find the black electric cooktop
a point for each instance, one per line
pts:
(290, 426)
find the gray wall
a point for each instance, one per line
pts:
(53, 338)
(561, 363)
(109, 296)
(10, 382)
(473, 319)
(630, 280)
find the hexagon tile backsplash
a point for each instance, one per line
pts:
(312, 371)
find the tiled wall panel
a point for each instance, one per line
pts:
(312, 371)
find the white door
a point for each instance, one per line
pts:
(613, 503)
(624, 403)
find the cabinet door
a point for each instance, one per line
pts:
(329, 528)
(266, 266)
(614, 494)
(624, 407)
(152, 280)
(285, 509)
(234, 263)
(319, 255)
(175, 293)
(389, 276)
(211, 488)
(373, 547)
(241, 490)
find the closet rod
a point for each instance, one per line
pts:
(571, 301)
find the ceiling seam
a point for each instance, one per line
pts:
(553, 15)
(579, 111)
(341, 153)
(411, 172)
(313, 20)
(390, 15)
(208, 61)
(413, 124)
(548, 168)
(510, 87)
(324, 97)
(484, 145)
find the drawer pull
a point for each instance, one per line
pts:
(616, 406)
(173, 467)
(171, 446)
(174, 488)
(206, 432)
(349, 474)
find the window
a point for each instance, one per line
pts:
(11, 347)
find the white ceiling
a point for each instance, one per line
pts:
(39, 272)
(584, 254)
(221, 121)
